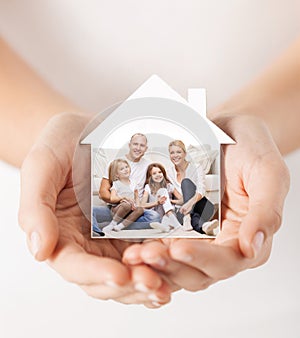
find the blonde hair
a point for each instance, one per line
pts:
(177, 143)
(113, 169)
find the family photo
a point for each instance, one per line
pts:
(132, 206)
(148, 191)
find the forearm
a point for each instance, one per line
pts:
(177, 201)
(116, 199)
(149, 205)
(193, 200)
(274, 97)
(26, 104)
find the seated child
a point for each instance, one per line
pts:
(157, 196)
(124, 197)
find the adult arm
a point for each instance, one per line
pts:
(273, 97)
(261, 118)
(114, 197)
(178, 196)
(26, 104)
(187, 207)
(33, 132)
(104, 190)
(197, 176)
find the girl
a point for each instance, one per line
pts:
(158, 196)
(124, 197)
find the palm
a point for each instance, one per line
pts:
(75, 231)
(56, 173)
(256, 182)
(71, 180)
(235, 201)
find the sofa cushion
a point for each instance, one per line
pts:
(202, 155)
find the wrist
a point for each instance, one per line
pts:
(30, 131)
(230, 118)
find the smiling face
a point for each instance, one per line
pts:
(177, 155)
(157, 175)
(123, 170)
(137, 148)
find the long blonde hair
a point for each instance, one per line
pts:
(113, 169)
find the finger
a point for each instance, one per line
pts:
(79, 267)
(267, 188)
(145, 279)
(144, 287)
(126, 295)
(41, 177)
(216, 261)
(132, 256)
(151, 299)
(106, 292)
(157, 255)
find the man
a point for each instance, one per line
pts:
(138, 164)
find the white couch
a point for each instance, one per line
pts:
(199, 155)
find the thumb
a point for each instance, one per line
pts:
(267, 189)
(40, 176)
(257, 228)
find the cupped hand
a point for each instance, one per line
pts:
(256, 182)
(55, 197)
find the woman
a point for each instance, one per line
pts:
(189, 180)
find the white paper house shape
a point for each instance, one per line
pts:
(156, 101)
(153, 88)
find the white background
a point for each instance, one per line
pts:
(97, 54)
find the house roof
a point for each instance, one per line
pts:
(151, 91)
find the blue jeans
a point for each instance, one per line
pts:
(102, 214)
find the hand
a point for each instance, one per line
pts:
(256, 183)
(187, 207)
(177, 202)
(161, 199)
(56, 226)
(136, 196)
(130, 201)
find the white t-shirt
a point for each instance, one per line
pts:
(123, 189)
(153, 198)
(137, 174)
(195, 174)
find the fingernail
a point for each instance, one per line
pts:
(141, 287)
(258, 241)
(156, 304)
(153, 297)
(34, 243)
